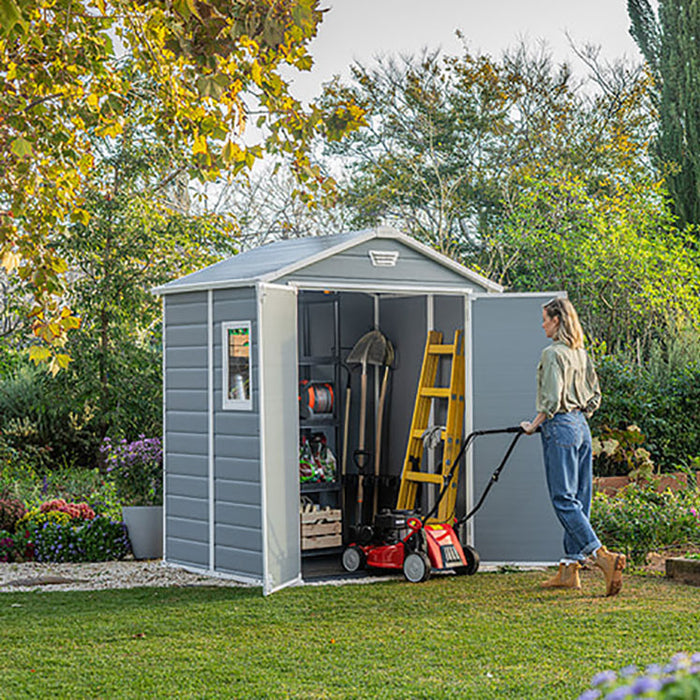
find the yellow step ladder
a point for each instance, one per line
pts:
(451, 436)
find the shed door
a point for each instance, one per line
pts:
(279, 427)
(516, 523)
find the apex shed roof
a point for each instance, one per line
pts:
(282, 259)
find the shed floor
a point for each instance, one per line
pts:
(327, 567)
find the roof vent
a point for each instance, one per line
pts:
(384, 258)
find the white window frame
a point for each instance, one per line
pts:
(228, 403)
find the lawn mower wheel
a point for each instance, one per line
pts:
(417, 567)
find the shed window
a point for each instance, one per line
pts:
(237, 382)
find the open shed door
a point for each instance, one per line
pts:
(516, 524)
(279, 427)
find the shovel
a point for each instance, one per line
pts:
(372, 348)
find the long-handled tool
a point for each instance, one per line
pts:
(371, 349)
(388, 362)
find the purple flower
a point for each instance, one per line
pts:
(603, 677)
(654, 670)
(619, 693)
(589, 695)
(628, 671)
(646, 685)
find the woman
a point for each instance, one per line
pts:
(567, 392)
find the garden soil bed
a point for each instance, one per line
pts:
(656, 561)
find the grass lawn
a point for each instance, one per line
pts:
(487, 636)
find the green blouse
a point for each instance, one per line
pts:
(566, 380)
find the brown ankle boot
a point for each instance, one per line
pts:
(611, 564)
(566, 577)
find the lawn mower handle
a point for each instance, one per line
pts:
(517, 430)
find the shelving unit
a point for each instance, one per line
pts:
(319, 361)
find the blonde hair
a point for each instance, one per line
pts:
(569, 330)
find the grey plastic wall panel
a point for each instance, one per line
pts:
(280, 436)
(236, 423)
(189, 443)
(194, 400)
(243, 492)
(516, 523)
(181, 421)
(238, 560)
(240, 446)
(355, 266)
(238, 511)
(404, 321)
(247, 470)
(189, 507)
(184, 378)
(238, 515)
(185, 358)
(185, 429)
(187, 465)
(185, 336)
(239, 538)
(191, 532)
(190, 486)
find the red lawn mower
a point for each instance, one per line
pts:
(405, 540)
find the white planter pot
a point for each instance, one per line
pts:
(145, 527)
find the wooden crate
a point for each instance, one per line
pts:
(321, 528)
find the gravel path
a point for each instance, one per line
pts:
(34, 576)
(91, 577)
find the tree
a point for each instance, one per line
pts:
(140, 232)
(669, 43)
(422, 162)
(630, 272)
(268, 206)
(451, 139)
(213, 64)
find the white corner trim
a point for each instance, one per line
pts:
(259, 291)
(210, 428)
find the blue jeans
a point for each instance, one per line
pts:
(568, 463)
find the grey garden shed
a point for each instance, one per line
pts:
(240, 335)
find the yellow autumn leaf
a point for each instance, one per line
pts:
(255, 72)
(10, 261)
(200, 144)
(38, 354)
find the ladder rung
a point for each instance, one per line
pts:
(441, 349)
(422, 476)
(436, 392)
(418, 434)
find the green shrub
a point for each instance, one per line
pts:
(619, 452)
(71, 484)
(639, 520)
(661, 397)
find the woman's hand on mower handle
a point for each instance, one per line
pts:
(528, 427)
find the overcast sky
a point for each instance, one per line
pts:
(361, 29)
